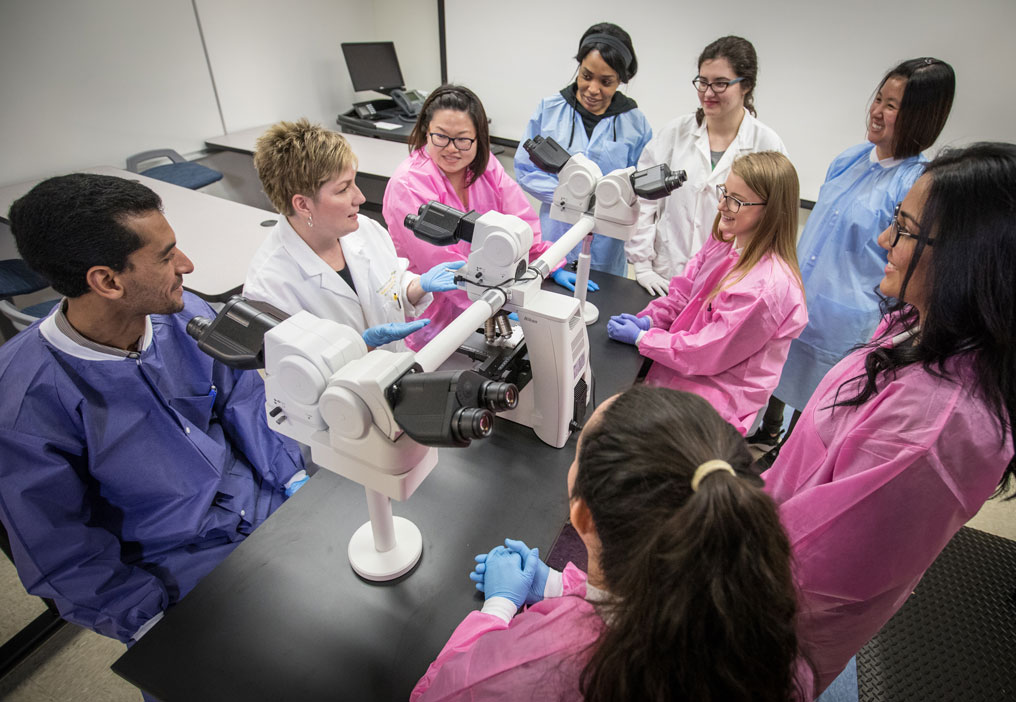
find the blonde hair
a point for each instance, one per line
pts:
(297, 158)
(773, 178)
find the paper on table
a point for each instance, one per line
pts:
(387, 125)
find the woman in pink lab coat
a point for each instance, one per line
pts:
(689, 593)
(450, 161)
(905, 439)
(725, 326)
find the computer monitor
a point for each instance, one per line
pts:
(373, 65)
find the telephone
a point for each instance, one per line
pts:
(366, 110)
(409, 102)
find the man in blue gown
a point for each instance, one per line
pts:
(131, 463)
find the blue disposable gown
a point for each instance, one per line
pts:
(842, 263)
(123, 482)
(617, 142)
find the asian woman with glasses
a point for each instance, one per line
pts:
(593, 117)
(703, 144)
(450, 161)
(905, 439)
(723, 329)
(841, 261)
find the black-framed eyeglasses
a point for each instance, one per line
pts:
(898, 230)
(733, 204)
(718, 86)
(442, 140)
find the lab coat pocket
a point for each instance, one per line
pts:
(196, 410)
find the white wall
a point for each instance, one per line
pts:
(819, 60)
(90, 82)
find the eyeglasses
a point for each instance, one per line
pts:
(718, 86)
(898, 230)
(442, 140)
(733, 204)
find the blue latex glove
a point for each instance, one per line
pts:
(393, 331)
(644, 323)
(441, 278)
(542, 570)
(566, 279)
(621, 329)
(296, 485)
(506, 575)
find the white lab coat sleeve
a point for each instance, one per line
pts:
(533, 180)
(407, 280)
(641, 245)
(271, 286)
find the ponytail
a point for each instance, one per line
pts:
(702, 597)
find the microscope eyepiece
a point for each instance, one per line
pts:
(470, 423)
(196, 327)
(498, 397)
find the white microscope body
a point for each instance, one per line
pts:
(376, 417)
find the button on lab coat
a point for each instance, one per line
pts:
(672, 229)
(287, 273)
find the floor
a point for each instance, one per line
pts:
(74, 664)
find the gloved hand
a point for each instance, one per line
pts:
(649, 279)
(441, 278)
(626, 328)
(535, 593)
(393, 331)
(542, 570)
(506, 575)
(566, 279)
(296, 482)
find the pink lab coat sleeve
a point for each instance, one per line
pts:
(740, 323)
(534, 656)
(664, 310)
(870, 496)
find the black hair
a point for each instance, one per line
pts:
(743, 60)
(460, 99)
(68, 224)
(702, 598)
(924, 109)
(970, 212)
(625, 66)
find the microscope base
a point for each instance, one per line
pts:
(371, 564)
(589, 313)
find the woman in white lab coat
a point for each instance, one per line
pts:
(704, 145)
(322, 256)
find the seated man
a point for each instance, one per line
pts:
(131, 463)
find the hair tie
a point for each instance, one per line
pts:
(611, 41)
(709, 467)
(929, 61)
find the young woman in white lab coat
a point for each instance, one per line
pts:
(322, 256)
(704, 145)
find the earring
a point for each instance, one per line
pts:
(310, 222)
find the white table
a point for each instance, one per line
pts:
(219, 236)
(376, 157)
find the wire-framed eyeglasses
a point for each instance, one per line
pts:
(718, 86)
(898, 229)
(442, 140)
(733, 204)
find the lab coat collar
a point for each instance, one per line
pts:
(312, 265)
(57, 330)
(742, 141)
(886, 162)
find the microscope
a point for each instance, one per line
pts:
(378, 417)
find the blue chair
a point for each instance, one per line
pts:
(16, 278)
(179, 171)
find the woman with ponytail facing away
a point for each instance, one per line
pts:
(689, 593)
